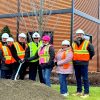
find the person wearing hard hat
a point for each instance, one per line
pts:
(46, 59)
(3, 42)
(83, 51)
(11, 46)
(4, 37)
(9, 62)
(32, 50)
(21, 47)
(46, 56)
(64, 65)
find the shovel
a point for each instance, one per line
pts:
(18, 71)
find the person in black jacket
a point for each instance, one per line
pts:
(46, 56)
(8, 68)
(83, 51)
(4, 37)
(15, 65)
(22, 42)
(34, 67)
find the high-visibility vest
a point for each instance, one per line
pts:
(44, 55)
(0, 45)
(64, 55)
(33, 49)
(20, 50)
(7, 55)
(81, 53)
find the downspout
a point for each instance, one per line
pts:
(98, 55)
(72, 23)
(18, 18)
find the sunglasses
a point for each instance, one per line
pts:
(36, 38)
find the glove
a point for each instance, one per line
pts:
(56, 64)
(44, 65)
(25, 60)
(20, 61)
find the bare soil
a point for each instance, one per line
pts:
(27, 90)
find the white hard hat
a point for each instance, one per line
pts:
(86, 37)
(80, 31)
(5, 35)
(65, 42)
(10, 39)
(36, 35)
(22, 35)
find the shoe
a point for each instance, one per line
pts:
(65, 94)
(77, 94)
(84, 96)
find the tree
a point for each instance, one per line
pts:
(5, 30)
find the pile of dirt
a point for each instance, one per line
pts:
(26, 90)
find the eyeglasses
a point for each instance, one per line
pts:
(65, 45)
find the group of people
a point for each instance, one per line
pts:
(75, 59)
(39, 55)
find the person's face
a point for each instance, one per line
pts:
(45, 42)
(21, 39)
(4, 39)
(79, 36)
(9, 43)
(36, 40)
(64, 46)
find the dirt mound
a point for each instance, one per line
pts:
(26, 90)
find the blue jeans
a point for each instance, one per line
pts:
(46, 75)
(82, 71)
(6, 74)
(63, 83)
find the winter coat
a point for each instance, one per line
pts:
(61, 62)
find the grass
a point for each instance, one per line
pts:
(94, 93)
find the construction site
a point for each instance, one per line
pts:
(58, 19)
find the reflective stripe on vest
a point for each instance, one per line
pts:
(33, 49)
(44, 54)
(81, 53)
(8, 56)
(0, 45)
(20, 50)
(66, 66)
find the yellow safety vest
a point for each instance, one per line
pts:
(7, 55)
(20, 50)
(33, 49)
(44, 54)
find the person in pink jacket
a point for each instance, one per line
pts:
(64, 65)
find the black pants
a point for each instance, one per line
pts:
(81, 71)
(22, 71)
(33, 68)
(14, 70)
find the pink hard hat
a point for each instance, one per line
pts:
(46, 38)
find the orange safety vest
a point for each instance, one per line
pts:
(44, 54)
(20, 50)
(0, 45)
(7, 55)
(81, 53)
(63, 56)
